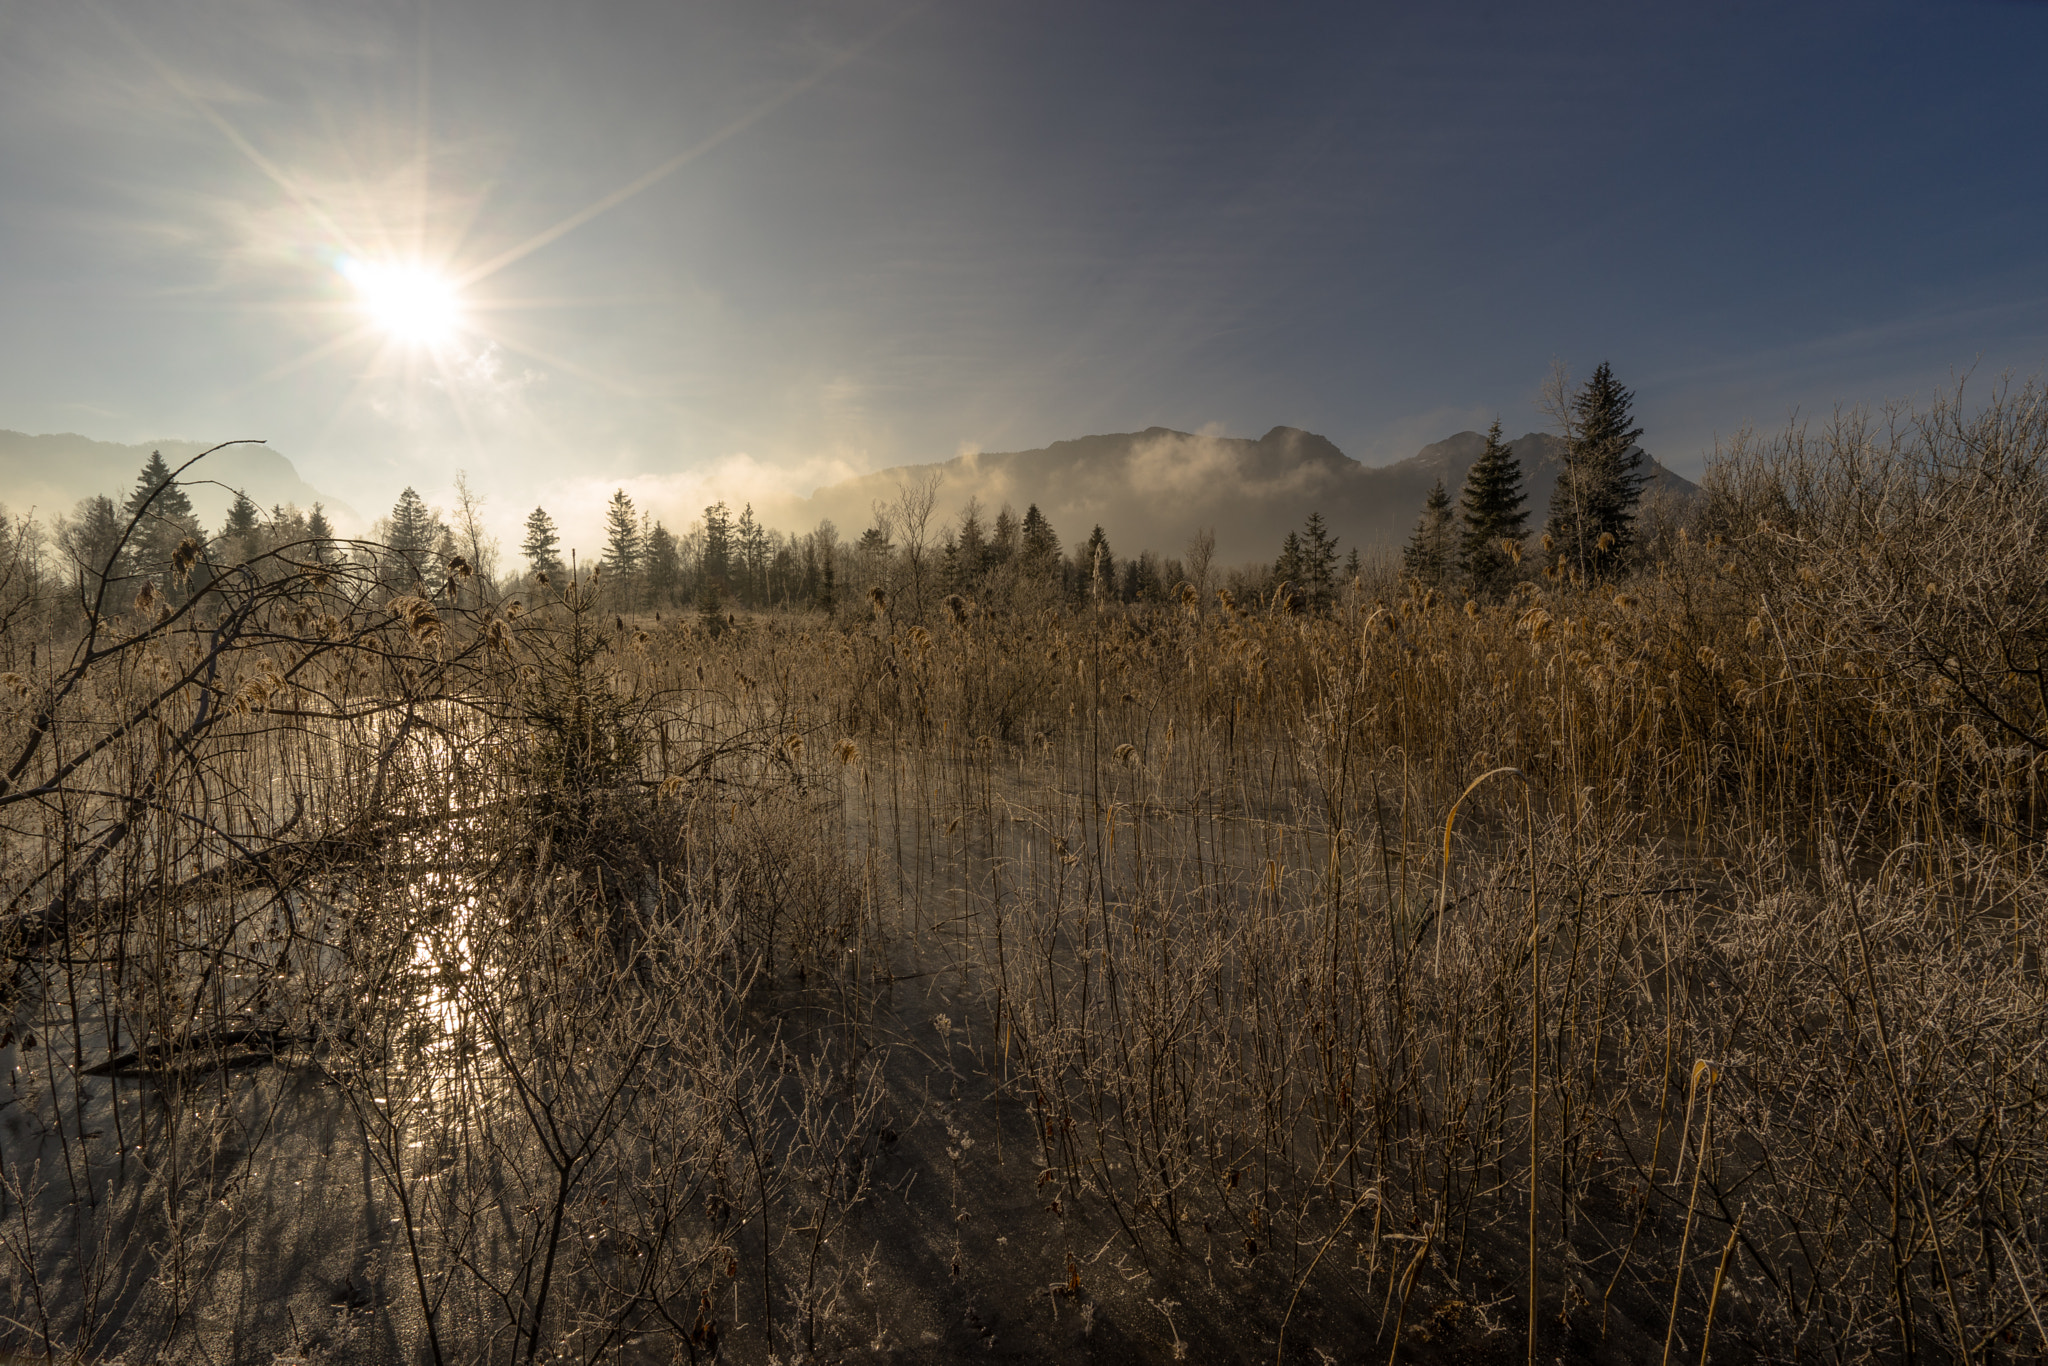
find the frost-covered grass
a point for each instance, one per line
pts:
(428, 980)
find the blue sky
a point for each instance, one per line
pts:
(890, 232)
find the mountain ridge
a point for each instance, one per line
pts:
(49, 473)
(1151, 489)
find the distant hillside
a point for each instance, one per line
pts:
(49, 474)
(1150, 489)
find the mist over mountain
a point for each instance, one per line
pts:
(1151, 489)
(1148, 489)
(47, 475)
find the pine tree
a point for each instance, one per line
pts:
(1141, 579)
(1097, 564)
(1039, 546)
(1429, 552)
(711, 604)
(1287, 569)
(411, 536)
(621, 549)
(320, 532)
(1593, 509)
(782, 570)
(285, 525)
(1490, 508)
(238, 541)
(664, 567)
(715, 566)
(542, 546)
(971, 558)
(167, 518)
(752, 545)
(1003, 541)
(1318, 581)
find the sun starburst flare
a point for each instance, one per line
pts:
(412, 304)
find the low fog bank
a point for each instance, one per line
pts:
(1147, 490)
(1151, 489)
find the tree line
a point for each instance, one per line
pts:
(905, 558)
(726, 561)
(168, 547)
(152, 539)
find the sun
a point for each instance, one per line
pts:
(412, 304)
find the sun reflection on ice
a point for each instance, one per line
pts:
(444, 960)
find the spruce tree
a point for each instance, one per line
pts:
(320, 532)
(239, 535)
(1038, 545)
(167, 518)
(621, 542)
(542, 545)
(711, 605)
(1287, 569)
(807, 583)
(1491, 510)
(1141, 579)
(716, 562)
(1593, 509)
(1429, 551)
(752, 546)
(1005, 538)
(664, 568)
(872, 555)
(411, 536)
(971, 558)
(782, 569)
(1318, 580)
(1098, 564)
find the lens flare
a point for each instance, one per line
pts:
(412, 304)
